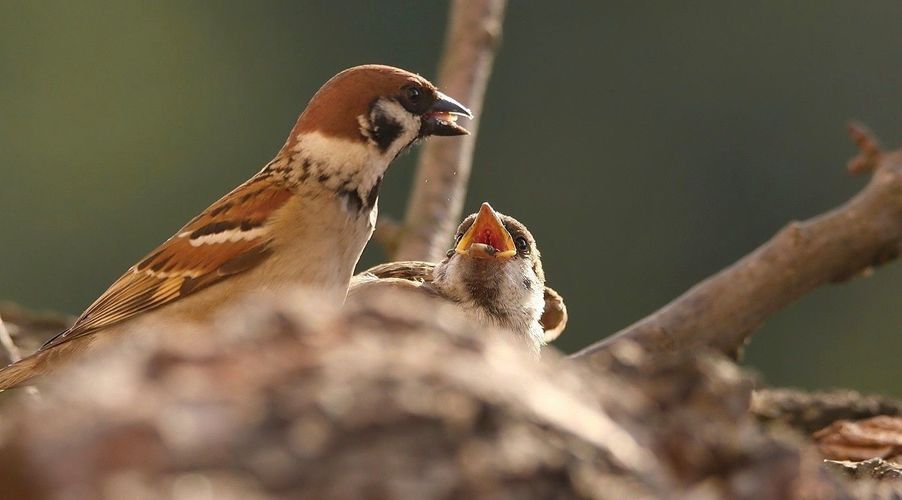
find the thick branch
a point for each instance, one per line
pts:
(722, 311)
(436, 203)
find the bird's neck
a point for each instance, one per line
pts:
(497, 295)
(351, 169)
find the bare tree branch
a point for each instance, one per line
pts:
(724, 310)
(436, 203)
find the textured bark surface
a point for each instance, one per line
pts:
(875, 468)
(809, 412)
(875, 437)
(440, 187)
(724, 310)
(395, 397)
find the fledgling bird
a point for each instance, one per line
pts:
(303, 219)
(494, 273)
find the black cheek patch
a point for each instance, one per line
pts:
(384, 130)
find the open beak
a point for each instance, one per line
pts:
(487, 238)
(441, 117)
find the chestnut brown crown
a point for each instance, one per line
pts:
(336, 107)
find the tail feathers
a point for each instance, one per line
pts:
(24, 370)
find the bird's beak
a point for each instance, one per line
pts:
(487, 238)
(441, 117)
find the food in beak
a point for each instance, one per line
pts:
(441, 117)
(487, 237)
(445, 117)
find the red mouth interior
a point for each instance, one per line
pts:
(488, 237)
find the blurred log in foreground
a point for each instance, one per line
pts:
(395, 397)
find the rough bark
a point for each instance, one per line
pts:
(875, 437)
(724, 310)
(875, 468)
(436, 202)
(809, 412)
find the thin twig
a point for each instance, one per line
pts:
(723, 311)
(869, 152)
(436, 202)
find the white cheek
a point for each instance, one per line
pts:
(513, 285)
(339, 152)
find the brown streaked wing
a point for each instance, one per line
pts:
(363, 284)
(393, 275)
(177, 268)
(411, 270)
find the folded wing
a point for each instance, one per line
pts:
(230, 237)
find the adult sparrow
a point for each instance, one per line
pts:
(302, 220)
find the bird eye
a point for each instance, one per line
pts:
(522, 244)
(413, 93)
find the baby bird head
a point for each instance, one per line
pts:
(496, 266)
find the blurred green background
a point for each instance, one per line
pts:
(646, 144)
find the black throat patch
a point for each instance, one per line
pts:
(359, 203)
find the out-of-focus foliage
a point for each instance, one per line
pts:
(646, 145)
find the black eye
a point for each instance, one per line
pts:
(413, 93)
(522, 244)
